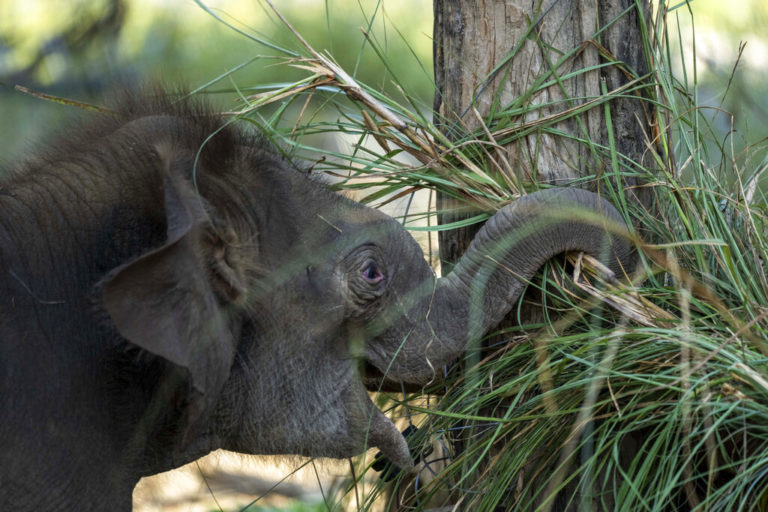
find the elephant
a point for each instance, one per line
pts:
(171, 285)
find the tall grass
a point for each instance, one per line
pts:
(644, 396)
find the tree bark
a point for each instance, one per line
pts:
(474, 74)
(472, 38)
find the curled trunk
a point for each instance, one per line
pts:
(503, 257)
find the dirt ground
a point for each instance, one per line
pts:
(228, 481)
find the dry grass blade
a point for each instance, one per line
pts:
(64, 101)
(624, 299)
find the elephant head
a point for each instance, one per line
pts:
(214, 297)
(336, 292)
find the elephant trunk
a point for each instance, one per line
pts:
(492, 274)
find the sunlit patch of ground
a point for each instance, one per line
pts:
(229, 481)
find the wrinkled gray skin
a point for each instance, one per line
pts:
(151, 313)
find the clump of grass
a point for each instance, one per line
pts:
(650, 395)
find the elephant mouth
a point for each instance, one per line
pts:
(375, 380)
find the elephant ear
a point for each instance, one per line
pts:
(165, 303)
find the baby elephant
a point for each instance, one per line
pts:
(171, 286)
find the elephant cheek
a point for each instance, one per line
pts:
(348, 424)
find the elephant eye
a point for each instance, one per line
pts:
(365, 279)
(371, 272)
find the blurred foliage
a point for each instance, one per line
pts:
(176, 40)
(83, 48)
(724, 69)
(744, 20)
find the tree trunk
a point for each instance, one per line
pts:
(472, 38)
(473, 42)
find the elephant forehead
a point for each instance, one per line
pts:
(362, 219)
(352, 232)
